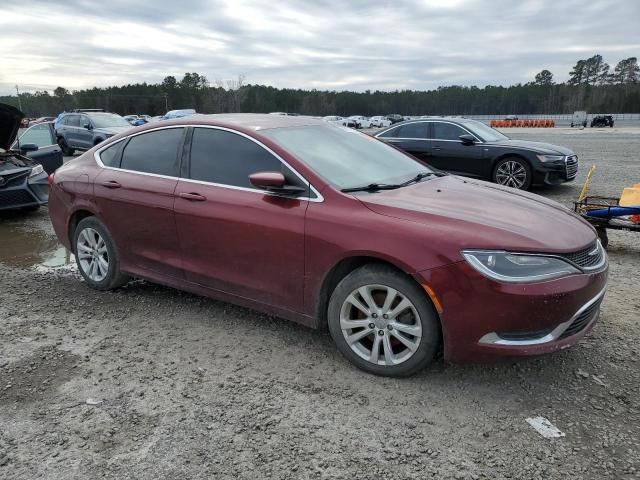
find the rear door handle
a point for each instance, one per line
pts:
(194, 197)
(111, 184)
(437, 148)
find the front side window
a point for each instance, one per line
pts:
(413, 130)
(344, 157)
(84, 121)
(220, 156)
(447, 131)
(154, 152)
(39, 134)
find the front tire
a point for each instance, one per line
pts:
(382, 322)
(513, 172)
(97, 256)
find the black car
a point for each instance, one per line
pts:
(470, 148)
(602, 121)
(84, 129)
(23, 180)
(395, 118)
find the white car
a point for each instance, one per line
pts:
(360, 121)
(337, 120)
(380, 121)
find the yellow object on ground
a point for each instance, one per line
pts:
(630, 196)
(585, 187)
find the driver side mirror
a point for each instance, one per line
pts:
(274, 182)
(467, 139)
(28, 147)
(88, 126)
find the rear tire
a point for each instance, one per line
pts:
(398, 335)
(512, 172)
(97, 256)
(66, 150)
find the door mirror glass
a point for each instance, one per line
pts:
(28, 147)
(467, 139)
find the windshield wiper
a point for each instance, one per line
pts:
(374, 187)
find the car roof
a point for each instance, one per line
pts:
(250, 121)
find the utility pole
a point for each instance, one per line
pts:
(19, 100)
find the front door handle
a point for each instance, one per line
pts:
(194, 197)
(437, 148)
(111, 184)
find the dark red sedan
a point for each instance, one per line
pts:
(332, 228)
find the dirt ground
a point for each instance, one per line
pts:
(150, 383)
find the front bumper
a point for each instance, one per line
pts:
(484, 320)
(556, 173)
(25, 192)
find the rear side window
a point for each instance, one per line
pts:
(219, 156)
(412, 130)
(391, 133)
(110, 156)
(154, 152)
(72, 120)
(447, 131)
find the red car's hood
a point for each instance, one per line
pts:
(476, 214)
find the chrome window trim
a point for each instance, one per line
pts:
(319, 199)
(494, 339)
(378, 135)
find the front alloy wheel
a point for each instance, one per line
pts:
(380, 325)
(383, 322)
(513, 172)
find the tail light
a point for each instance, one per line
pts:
(50, 179)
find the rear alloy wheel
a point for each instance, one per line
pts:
(513, 172)
(66, 150)
(96, 255)
(382, 322)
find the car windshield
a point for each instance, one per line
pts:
(483, 131)
(346, 158)
(107, 120)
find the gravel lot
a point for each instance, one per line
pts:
(185, 387)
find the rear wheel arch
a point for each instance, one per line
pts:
(74, 220)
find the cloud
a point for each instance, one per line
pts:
(324, 44)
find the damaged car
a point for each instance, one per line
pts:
(23, 181)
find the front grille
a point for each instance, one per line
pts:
(10, 198)
(571, 163)
(587, 257)
(11, 179)
(582, 320)
(525, 335)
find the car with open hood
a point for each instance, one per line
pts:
(23, 180)
(332, 228)
(472, 149)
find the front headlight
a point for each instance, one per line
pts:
(37, 170)
(550, 158)
(517, 267)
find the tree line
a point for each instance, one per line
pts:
(592, 86)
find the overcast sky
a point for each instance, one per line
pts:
(322, 44)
